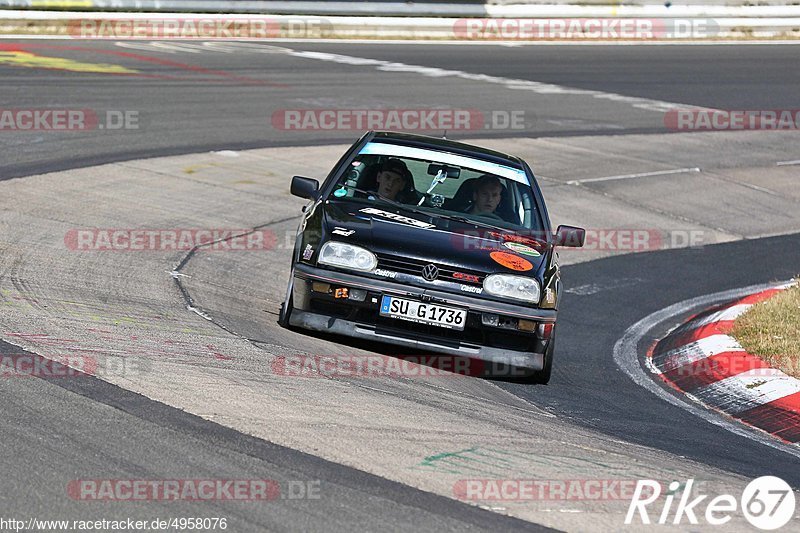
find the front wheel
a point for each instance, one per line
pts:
(542, 377)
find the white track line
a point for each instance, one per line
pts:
(626, 356)
(648, 104)
(634, 176)
(788, 163)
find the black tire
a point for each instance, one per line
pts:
(542, 377)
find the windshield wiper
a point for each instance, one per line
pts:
(401, 205)
(352, 187)
(471, 221)
(412, 208)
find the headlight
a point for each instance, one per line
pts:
(516, 287)
(339, 254)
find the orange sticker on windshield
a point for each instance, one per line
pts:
(514, 262)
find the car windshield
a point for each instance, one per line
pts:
(442, 184)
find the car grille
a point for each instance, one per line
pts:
(414, 267)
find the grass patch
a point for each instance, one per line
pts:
(771, 330)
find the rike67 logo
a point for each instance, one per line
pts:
(767, 503)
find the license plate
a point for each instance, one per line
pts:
(423, 313)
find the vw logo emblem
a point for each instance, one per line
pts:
(430, 272)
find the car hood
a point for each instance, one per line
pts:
(390, 231)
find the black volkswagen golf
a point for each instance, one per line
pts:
(434, 245)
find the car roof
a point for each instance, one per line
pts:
(438, 143)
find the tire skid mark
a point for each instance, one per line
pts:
(187, 297)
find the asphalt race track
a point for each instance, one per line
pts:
(200, 398)
(190, 99)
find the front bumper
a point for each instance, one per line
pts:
(496, 345)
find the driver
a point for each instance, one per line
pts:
(486, 196)
(392, 178)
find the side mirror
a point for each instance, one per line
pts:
(305, 187)
(570, 236)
